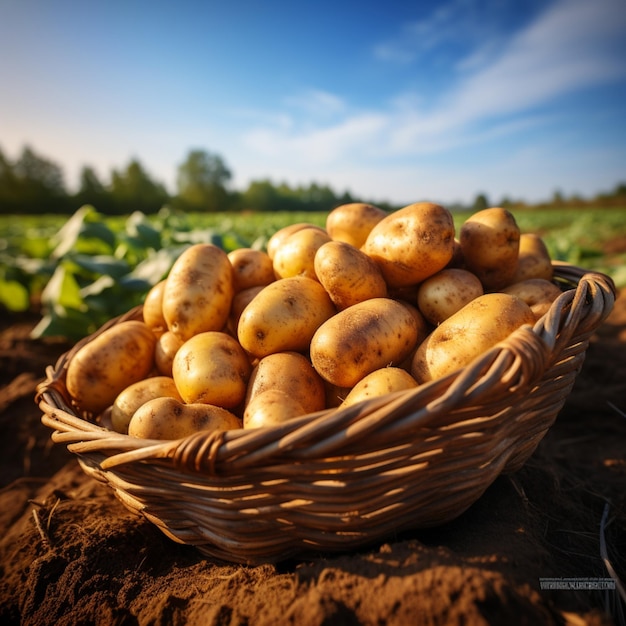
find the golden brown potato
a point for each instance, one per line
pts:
(271, 407)
(361, 339)
(167, 418)
(153, 309)
(348, 275)
(533, 259)
(447, 291)
(474, 329)
(296, 255)
(131, 398)
(166, 347)
(291, 373)
(352, 222)
(412, 243)
(119, 356)
(284, 316)
(211, 368)
(198, 291)
(379, 383)
(537, 293)
(278, 238)
(241, 300)
(490, 246)
(251, 268)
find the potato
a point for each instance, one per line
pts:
(251, 268)
(447, 291)
(412, 243)
(348, 275)
(474, 329)
(241, 300)
(533, 259)
(291, 373)
(131, 398)
(211, 368)
(107, 364)
(167, 418)
(380, 382)
(335, 395)
(166, 348)
(361, 339)
(537, 293)
(153, 309)
(490, 246)
(296, 255)
(283, 316)
(353, 222)
(198, 291)
(278, 238)
(271, 407)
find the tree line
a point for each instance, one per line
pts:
(34, 184)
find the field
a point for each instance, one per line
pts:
(70, 553)
(90, 268)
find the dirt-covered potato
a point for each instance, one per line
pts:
(412, 243)
(251, 268)
(348, 274)
(119, 356)
(152, 310)
(537, 293)
(271, 407)
(198, 291)
(291, 373)
(211, 368)
(363, 338)
(474, 329)
(167, 418)
(280, 236)
(379, 383)
(296, 255)
(283, 316)
(490, 246)
(129, 400)
(533, 259)
(352, 222)
(447, 291)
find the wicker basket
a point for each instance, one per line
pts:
(344, 478)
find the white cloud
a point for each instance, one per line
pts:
(564, 50)
(317, 102)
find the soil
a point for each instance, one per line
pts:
(70, 553)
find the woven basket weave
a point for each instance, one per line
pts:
(343, 478)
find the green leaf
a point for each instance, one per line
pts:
(101, 264)
(62, 292)
(14, 296)
(139, 228)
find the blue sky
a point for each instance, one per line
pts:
(396, 101)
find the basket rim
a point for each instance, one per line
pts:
(512, 366)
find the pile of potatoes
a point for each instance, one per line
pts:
(372, 303)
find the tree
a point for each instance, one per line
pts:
(92, 191)
(32, 184)
(39, 174)
(134, 190)
(480, 203)
(262, 195)
(201, 182)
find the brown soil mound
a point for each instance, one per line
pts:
(71, 554)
